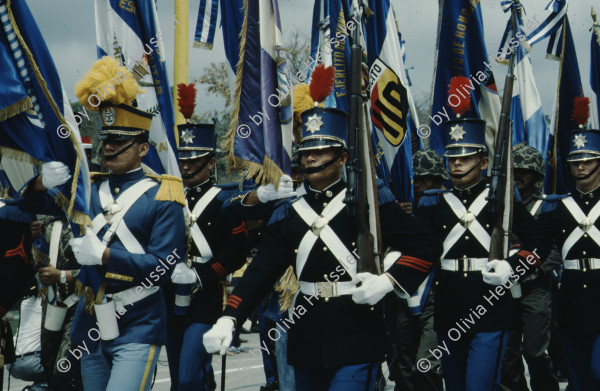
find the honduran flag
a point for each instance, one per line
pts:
(528, 122)
(595, 75)
(461, 52)
(36, 121)
(259, 139)
(131, 34)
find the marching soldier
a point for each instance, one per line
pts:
(533, 335)
(573, 223)
(473, 315)
(335, 329)
(217, 246)
(136, 239)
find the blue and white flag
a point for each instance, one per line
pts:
(34, 106)
(461, 52)
(260, 134)
(595, 76)
(131, 34)
(551, 27)
(207, 24)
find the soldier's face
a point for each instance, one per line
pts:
(423, 183)
(317, 157)
(525, 179)
(126, 161)
(471, 165)
(583, 169)
(190, 166)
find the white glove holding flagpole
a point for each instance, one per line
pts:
(54, 174)
(373, 288)
(183, 274)
(501, 273)
(88, 249)
(285, 189)
(219, 337)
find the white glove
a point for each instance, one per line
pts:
(373, 288)
(88, 249)
(183, 274)
(501, 273)
(54, 174)
(268, 193)
(219, 337)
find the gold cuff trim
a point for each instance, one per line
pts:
(115, 276)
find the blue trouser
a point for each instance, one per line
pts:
(583, 358)
(195, 364)
(359, 377)
(119, 367)
(474, 361)
(29, 369)
(285, 372)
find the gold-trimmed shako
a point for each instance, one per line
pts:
(122, 122)
(195, 140)
(323, 127)
(464, 136)
(584, 144)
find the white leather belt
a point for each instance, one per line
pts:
(464, 264)
(326, 289)
(130, 296)
(200, 259)
(582, 264)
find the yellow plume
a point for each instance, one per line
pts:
(107, 81)
(302, 101)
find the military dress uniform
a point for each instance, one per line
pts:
(471, 319)
(217, 246)
(333, 342)
(573, 223)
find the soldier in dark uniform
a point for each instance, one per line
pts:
(217, 246)
(532, 338)
(473, 315)
(573, 223)
(336, 338)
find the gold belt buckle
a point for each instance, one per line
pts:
(325, 289)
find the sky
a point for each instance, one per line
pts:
(68, 27)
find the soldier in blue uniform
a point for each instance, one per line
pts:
(336, 331)
(473, 315)
(136, 239)
(217, 246)
(573, 222)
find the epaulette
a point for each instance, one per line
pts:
(228, 190)
(431, 197)
(551, 202)
(94, 176)
(171, 188)
(281, 210)
(11, 212)
(384, 194)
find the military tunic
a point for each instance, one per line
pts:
(332, 332)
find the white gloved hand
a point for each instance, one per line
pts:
(54, 174)
(501, 273)
(268, 193)
(183, 274)
(373, 288)
(88, 249)
(219, 337)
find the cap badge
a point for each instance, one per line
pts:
(187, 136)
(109, 115)
(457, 133)
(579, 141)
(314, 123)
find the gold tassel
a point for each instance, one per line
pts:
(90, 299)
(288, 286)
(171, 189)
(16, 108)
(79, 288)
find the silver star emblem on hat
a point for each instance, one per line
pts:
(187, 136)
(457, 132)
(579, 141)
(314, 123)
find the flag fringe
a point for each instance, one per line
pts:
(20, 156)
(288, 286)
(203, 45)
(16, 108)
(75, 216)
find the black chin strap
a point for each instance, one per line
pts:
(312, 170)
(113, 156)
(193, 174)
(583, 178)
(465, 173)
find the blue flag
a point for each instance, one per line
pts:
(461, 52)
(260, 135)
(34, 106)
(595, 76)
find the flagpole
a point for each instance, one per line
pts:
(181, 56)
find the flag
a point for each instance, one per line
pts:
(595, 75)
(551, 27)
(207, 24)
(34, 106)
(461, 52)
(528, 121)
(392, 106)
(259, 139)
(131, 34)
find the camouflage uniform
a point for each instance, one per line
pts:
(533, 336)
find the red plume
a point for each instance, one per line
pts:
(321, 83)
(86, 140)
(581, 110)
(186, 98)
(463, 95)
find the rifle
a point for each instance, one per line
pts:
(358, 166)
(500, 198)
